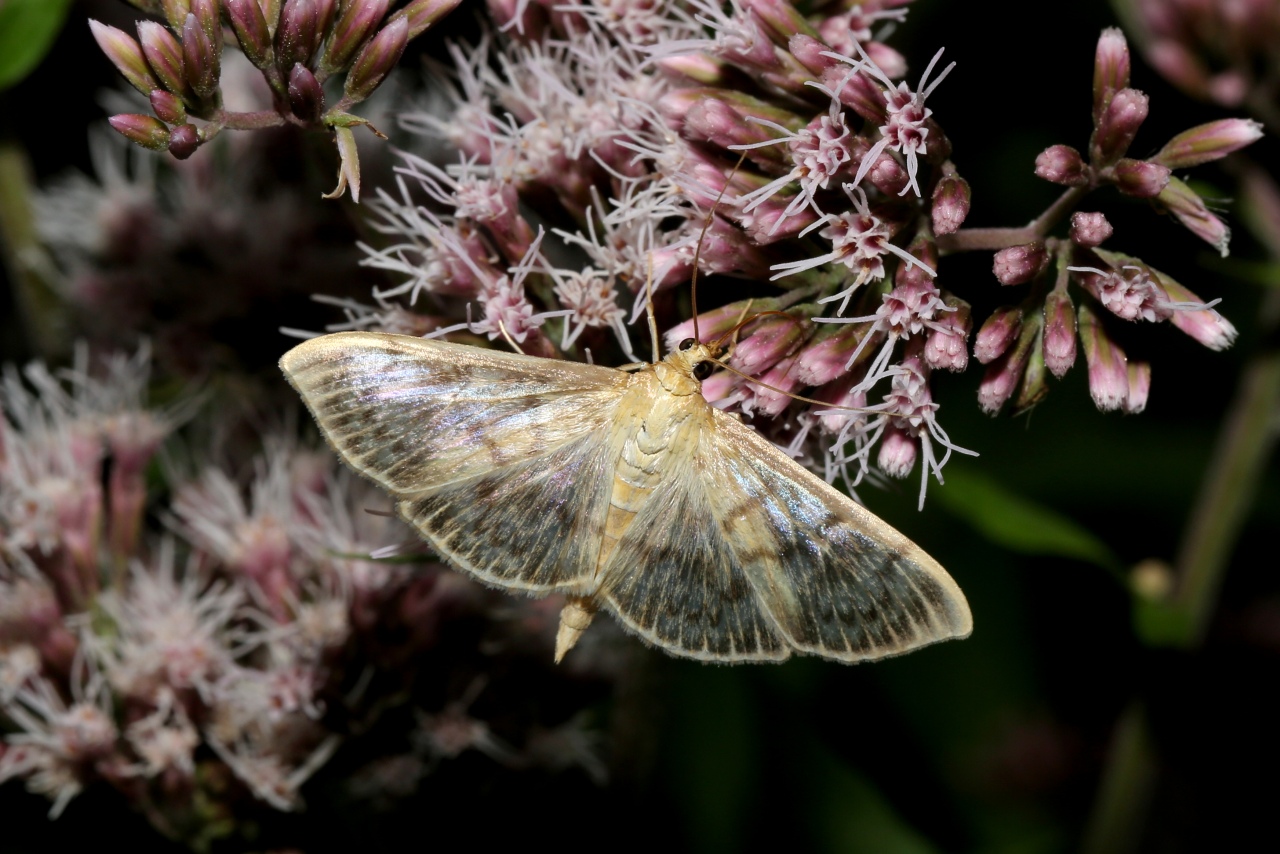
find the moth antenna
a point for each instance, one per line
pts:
(867, 410)
(502, 327)
(702, 235)
(648, 306)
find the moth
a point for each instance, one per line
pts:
(626, 491)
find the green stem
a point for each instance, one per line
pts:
(1116, 822)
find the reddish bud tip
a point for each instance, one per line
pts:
(356, 22)
(251, 30)
(1020, 264)
(1062, 164)
(421, 14)
(296, 35)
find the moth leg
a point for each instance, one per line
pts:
(575, 616)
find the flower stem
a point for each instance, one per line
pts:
(974, 239)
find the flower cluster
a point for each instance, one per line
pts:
(747, 142)
(1021, 344)
(296, 45)
(234, 652)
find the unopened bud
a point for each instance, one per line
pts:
(376, 60)
(1206, 326)
(1140, 178)
(1114, 133)
(950, 204)
(898, 452)
(356, 22)
(1110, 70)
(168, 107)
(296, 35)
(1020, 264)
(306, 98)
(1089, 229)
(164, 55)
(183, 141)
(202, 59)
(772, 339)
(1035, 381)
(251, 30)
(1059, 333)
(1208, 142)
(126, 55)
(1108, 366)
(997, 333)
(947, 347)
(147, 131)
(421, 14)
(1139, 376)
(1062, 164)
(1183, 202)
(1003, 374)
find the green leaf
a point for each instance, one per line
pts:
(850, 816)
(27, 29)
(1018, 523)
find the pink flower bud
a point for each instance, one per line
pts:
(997, 333)
(1062, 164)
(711, 119)
(1139, 376)
(251, 30)
(770, 340)
(1139, 178)
(846, 394)
(325, 12)
(898, 451)
(183, 141)
(421, 14)
(164, 55)
(306, 98)
(147, 131)
(947, 347)
(168, 107)
(377, 59)
(1059, 333)
(202, 58)
(175, 11)
(356, 22)
(1089, 229)
(1119, 125)
(1208, 142)
(206, 12)
(809, 51)
(1002, 375)
(858, 92)
(1108, 366)
(1035, 382)
(1020, 264)
(888, 176)
(698, 67)
(296, 34)
(126, 55)
(824, 357)
(782, 377)
(950, 204)
(780, 17)
(1207, 326)
(1190, 209)
(1110, 70)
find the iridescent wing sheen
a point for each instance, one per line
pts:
(500, 460)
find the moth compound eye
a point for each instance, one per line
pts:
(686, 344)
(702, 370)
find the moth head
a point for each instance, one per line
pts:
(694, 358)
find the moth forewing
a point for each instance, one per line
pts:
(622, 490)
